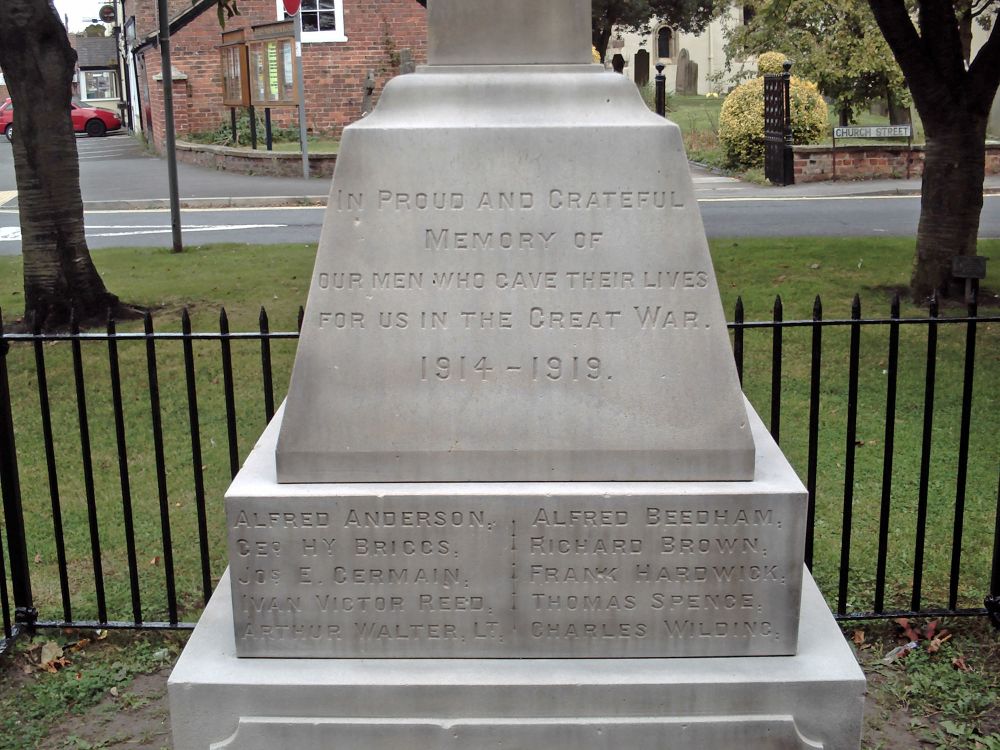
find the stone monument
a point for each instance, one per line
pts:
(686, 82)
(515, 471)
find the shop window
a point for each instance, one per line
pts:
(98, 84)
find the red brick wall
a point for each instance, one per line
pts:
(815, 163)
(334, 72)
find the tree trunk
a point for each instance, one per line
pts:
(965, 34)
(898, 114)
(38, 63)
(601, 38)
(950, 204)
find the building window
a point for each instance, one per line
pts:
(98, 84)
(322, 20)
(665, 42)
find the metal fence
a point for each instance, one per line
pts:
(102, 431)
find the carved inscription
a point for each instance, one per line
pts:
(453, 283)
(636, 576)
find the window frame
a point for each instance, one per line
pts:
(671, 44)
(85, 92)
(318, 37)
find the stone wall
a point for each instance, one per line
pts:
(269, 163)
(334, 72)
(869, 162)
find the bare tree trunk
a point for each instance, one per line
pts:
(951, 203)
(38, 63)
(965, 34)
(601, 38)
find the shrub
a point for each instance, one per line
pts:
(741, 122)
(770, 62)
(223, 135)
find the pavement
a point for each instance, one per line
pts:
(117, 173)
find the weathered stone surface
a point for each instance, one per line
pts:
(513, 284)
(569, 569)
(811, 700)
(511, 32)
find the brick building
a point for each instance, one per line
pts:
(345, 42)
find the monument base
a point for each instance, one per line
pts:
(814, 699)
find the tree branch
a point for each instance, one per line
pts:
(984, 72)
(939, 32)
(980, 6)
(928, 87)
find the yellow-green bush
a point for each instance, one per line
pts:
(770, 62)
(741, 122)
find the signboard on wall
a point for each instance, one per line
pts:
(272, 65)
(235, 73)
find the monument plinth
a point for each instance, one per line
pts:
(523, 292)
(515, 470)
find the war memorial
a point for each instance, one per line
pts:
(515, 495)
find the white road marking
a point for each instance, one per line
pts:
(107, 152)
(13, 234)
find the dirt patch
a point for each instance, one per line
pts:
(137, 718)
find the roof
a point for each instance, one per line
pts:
(94, 51)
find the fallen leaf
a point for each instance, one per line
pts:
(959, 663)
(56, 664)
(155, 560)
(38, 557)
(114, 691)
(935, 645)
(858, 637)
(50, 652)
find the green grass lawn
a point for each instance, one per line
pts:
(242, 278)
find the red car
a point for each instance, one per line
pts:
(93, 121)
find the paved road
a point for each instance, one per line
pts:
(119, 169)
(724, 217)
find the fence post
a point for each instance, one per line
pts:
(992, 600)
(788, 153)
(779, 166)
(661, 91)
(10, 483)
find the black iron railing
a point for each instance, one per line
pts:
(173, 422)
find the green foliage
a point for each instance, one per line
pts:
(770, 62)
(837, 45)
(637, 15)
(961, 697)
(223, 135)
(741, 122)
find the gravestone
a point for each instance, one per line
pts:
(515, 469)
(687, 74)
(640, 61)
